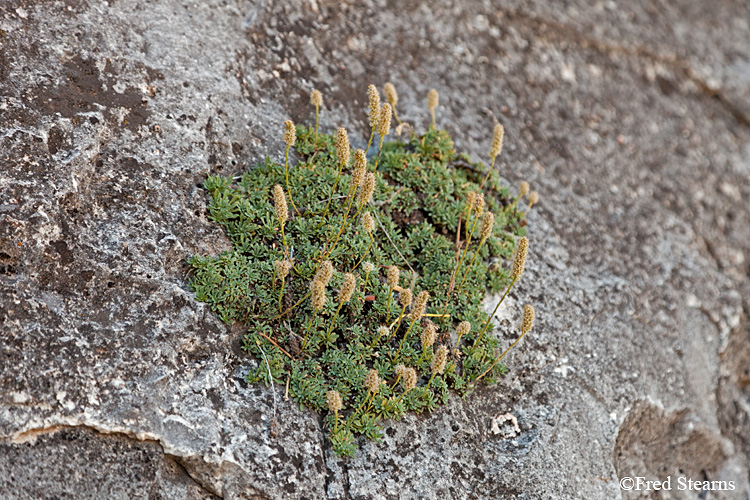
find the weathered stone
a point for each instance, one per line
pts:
(632, 123)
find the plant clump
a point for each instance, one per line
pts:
(363, 294)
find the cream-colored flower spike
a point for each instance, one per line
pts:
(487, 222)
(343, 149)
(432, 102)
(405, 297)
(384, 125)
(374, 99)
(372, 381)
(463, 328)
(290, 133)
(533, 199)
(282, 268)
(497, 141)
(347, 288)
(428, 335)
(409, 379)
(479, 204)
(318, 292)
(523, 189)
(325, 272)
(390, 94)
(528, 318)
(433, 99)
(519, 260)
(333, 399)
(279, 204)
(420, 306)
(367, 189)
(360, 168)
(439, 360)
(368, 223)
(316, 98)
(393, 276)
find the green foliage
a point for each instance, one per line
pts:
(419, 205)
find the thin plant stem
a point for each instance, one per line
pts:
(388, 307)
(471, 231)
(371, 402)
(317, 108)
(274, 343)
(372, 240)
(295, 305)
(405, 335)
(468, 268)
(393, 332)
(515, 202)
(333, 190)
(488, 174)
(286, 248)
(286, 174)
(333, 320)
(399, 398)
(453, 278)
(307, 330)
(380, 150)
(429, 315)
(375, 341)
(393, 244)
(361, 405)
(458, 341)
(283, 240)
(395, 115)
(501, 357)
(344, 226)
(468, 225)
(369, 142)
(463, 256)
(281, 293)
(487, 323)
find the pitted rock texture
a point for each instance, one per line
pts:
(630, 118)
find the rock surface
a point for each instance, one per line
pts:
(631, 119)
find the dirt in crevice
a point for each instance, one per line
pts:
(733, 390)
(655, 444)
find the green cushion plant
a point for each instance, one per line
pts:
(364, 297)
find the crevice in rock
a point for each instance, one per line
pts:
(34, 433)
(347, 482)
(328, 471)
(710, 248)
(205, 487)
(330, 474)
(649, 437)
(733, 388)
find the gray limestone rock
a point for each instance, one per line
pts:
(631, 119)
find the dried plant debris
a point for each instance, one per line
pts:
(506, 426)
(353, 270)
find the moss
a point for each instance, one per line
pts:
(419, 203)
